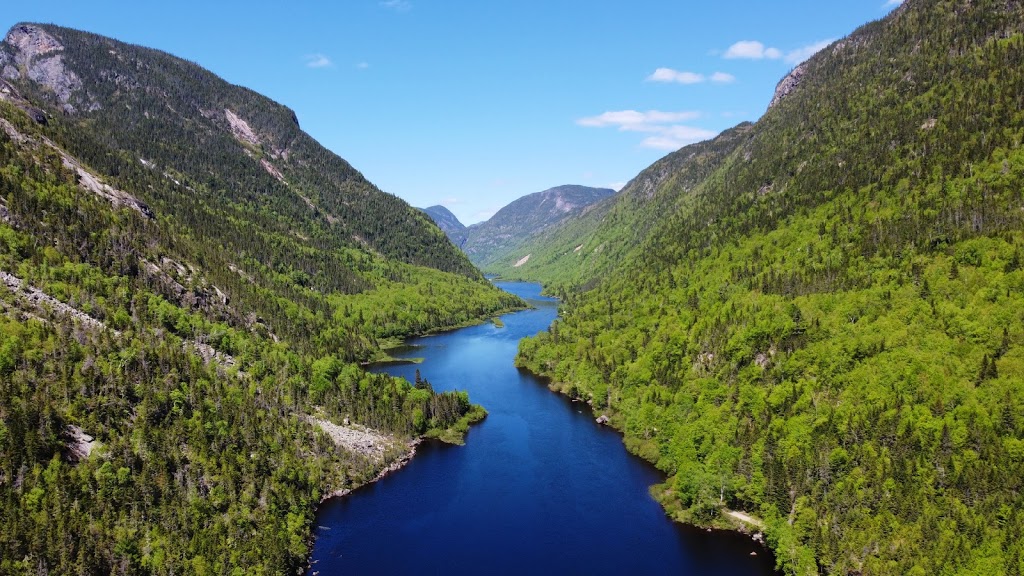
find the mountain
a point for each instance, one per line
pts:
(270, 210)
(526, 217)
(448, 224)
(188, 284)
(163, 111)
(819, 323)
(588, 246)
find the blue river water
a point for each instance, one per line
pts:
(539, 487)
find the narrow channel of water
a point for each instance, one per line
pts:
(539, 487)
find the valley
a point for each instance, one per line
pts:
(538, 483)
(800, 334)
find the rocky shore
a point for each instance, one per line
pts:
(398, 463)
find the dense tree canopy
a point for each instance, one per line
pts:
(825, 329)
(168, 336)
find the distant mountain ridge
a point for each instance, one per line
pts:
(448, 223)
(584, 248)
(526, 217)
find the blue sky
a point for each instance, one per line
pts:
(472, 104)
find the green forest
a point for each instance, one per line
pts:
(825, 328)
(166, 341)
(816, 319)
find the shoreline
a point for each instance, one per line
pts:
(392, 342)
(394, 466)
(738, 524)
(737, 532)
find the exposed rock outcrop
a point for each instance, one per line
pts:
(10, 94)
(788, 84)
(528, 216)
(7, 70)
(81, 444)
(210, 354)
(361, 440)
(42, 301)
(93, 184)
(272, 170)
(39, 57)
(86, 180)
(241, 129)
(31, 41)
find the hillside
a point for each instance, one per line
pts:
(526, 217)
(448, 224)
(189, 282)
(824, 330)
(276, 219)
(577, 250)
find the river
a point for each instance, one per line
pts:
(539, 487)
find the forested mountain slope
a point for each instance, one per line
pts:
(187, 282)
(583, 248)
(278, 222)
(526, 217)
(826, 331)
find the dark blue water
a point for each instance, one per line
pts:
(539, 487)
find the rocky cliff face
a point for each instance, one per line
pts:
(38, 56)
(788, 84)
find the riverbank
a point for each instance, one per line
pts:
(731, 521)
(378, 446)
(536, 472)
(384, 345)
(394, 466)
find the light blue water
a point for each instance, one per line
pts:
(539, 487)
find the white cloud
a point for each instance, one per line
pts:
(675, 137)
(666, 132)
(617, 186)
(754, 50)
(670, 75)
(317, 61)
(800, 54)
(679, 77)
(362, 65)
(722, 78)
(751, 50)
(891, 3)
(633, 121)
(450, 201)
(397, 5)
